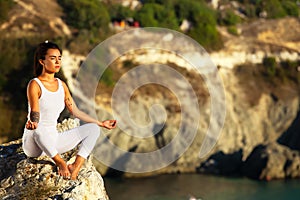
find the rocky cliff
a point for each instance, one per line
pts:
(258, 111)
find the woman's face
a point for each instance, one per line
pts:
(52, 62)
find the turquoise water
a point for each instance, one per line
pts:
(183, 186)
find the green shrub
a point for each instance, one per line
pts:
(86, 14)
(271, 65)
(107, 77)
(273, 8)
(284, 71)
(232, 30)
(204, 21)
(119, 12)
(228, 18)
(250, 11)
(156, 15)
(290, 7)
(291, 70)
(90, 21)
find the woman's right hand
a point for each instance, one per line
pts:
(31, 125)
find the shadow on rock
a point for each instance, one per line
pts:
(223, 164)
(291, 137)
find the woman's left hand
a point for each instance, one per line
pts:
(109, 124)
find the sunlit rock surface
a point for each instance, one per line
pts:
(37, 178)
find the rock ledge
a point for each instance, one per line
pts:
(37, 178)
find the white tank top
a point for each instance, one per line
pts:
(51, 104)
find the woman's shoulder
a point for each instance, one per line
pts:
(33, 82)
(33, 85)
(61, 81)
(63, 84)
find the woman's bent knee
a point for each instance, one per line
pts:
(93, 128)
(32, 150)
(29, 145)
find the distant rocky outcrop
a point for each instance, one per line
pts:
(266, 162)
(272, 161)
(37, 178)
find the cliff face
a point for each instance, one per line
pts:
(258, 112)
(254, 116)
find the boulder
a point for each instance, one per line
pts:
(266, 162)
(36, 178)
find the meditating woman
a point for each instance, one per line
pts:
(47, 98)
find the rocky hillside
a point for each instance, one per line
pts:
(31, 18)
(278, 38)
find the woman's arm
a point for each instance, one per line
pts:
(33, 95)
(74, 110)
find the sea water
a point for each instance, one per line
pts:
(204, 187)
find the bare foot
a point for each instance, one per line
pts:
(74, 169)
(63, 170)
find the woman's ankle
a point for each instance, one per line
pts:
(59, 161)
(79, 160)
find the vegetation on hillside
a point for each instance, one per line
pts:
(271, 8)
(91, 18)
(88, 18)
(94, 17)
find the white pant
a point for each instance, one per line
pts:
(47, 140)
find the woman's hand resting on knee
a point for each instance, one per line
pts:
(109, 124)
(31, 125)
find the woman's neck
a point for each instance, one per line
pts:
(47, 77)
